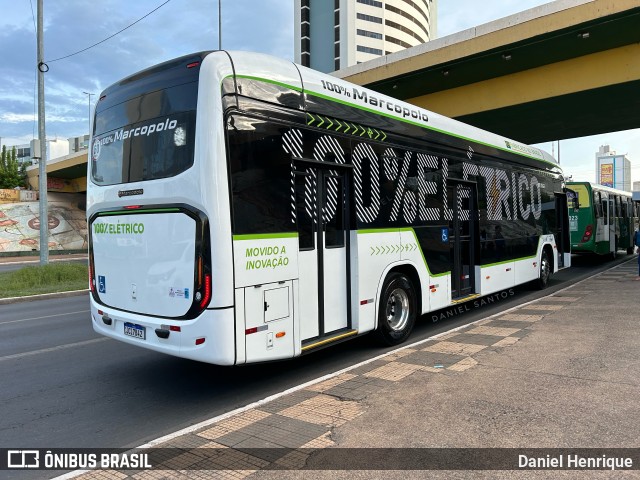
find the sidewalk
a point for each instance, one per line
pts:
(561, 372)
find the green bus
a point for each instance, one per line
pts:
(601, 219)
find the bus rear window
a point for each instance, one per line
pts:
(145, 138)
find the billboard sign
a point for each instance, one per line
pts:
(606, 174)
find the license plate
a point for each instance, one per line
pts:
(134, 330)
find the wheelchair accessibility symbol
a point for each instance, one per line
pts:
(444, 234)
(102, 284)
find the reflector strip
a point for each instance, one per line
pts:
(199, 341)
(249, 331)
(364, 302)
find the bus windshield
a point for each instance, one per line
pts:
(147, 137)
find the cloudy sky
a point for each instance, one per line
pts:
(181, 27)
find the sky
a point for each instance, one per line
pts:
(181, 27)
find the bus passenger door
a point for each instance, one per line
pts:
(461, 198)
(610, 228)
(563, 240)
(322, 219)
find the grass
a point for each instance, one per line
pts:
(58, 277)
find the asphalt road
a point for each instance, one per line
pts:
(64, 386)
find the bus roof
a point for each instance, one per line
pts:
(308, 83)
(603, 188)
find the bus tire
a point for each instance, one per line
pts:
(629, 250)
(545, 271)
(398, 309)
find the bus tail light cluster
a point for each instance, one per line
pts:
(203, 276)
(92, 277)
(206, 294)
(587, 233)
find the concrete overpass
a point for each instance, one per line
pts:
(566, 69)
(66, 174)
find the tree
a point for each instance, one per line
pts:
(12, 174)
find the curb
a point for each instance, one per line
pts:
(44, 296)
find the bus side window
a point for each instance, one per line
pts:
(597, 205)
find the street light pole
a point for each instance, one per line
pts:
(90, 95)
(219, 24)
(42, 182)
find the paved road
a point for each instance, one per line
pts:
(63, 386)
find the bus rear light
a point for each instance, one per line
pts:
(200, 341)
(587, 233)
(207, 291)
(193, 64)
(132, 207)
(280, 334)
(199, 275)
(91, 287)
(92, 277)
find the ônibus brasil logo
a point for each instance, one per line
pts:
(125, 133)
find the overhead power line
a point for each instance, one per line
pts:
(109, 37)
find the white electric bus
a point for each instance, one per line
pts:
(242, 208)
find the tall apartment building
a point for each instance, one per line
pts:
(613, 170)
(334, 34)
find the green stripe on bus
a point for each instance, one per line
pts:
(504, 262)
(384, 114)
(378, 230)
(412, 230)
(261, 236)
(405, 229)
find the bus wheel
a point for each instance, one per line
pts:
(398, 307)
(545, 270)
(629, 250)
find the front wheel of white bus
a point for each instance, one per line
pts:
(398, 308)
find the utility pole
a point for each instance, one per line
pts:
(42, 183)
(558, 152)
(219, 24)
(90, 95)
